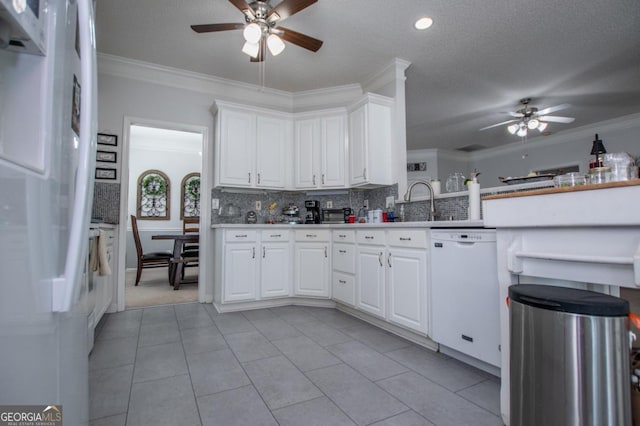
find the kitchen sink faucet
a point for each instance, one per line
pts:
(432, 204)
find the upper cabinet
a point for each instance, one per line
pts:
(335, 148)
(252, 148)
(320, 150)
(370, 130)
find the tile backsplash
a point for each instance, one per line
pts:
(353, 198)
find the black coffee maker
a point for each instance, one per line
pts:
(313, 211)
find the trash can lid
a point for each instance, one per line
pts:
(571, 300)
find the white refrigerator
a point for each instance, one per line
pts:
(47, 158)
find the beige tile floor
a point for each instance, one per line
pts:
(154, 289)
(188, 365)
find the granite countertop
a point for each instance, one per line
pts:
(356, 226)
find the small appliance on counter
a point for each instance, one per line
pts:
(291, 215)
(335, 215)
(251, 217)
(313, 211)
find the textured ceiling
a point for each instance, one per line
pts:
(468, 70)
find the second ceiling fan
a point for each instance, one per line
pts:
(531, 118)
(262, 29)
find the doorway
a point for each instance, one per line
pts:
(178, 151)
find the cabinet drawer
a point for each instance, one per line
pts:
(313, 235)
(237, 235)
(274, 235)
(407, 238)
(374, 236)
(342, 236)
(344, 257)
(343, 288)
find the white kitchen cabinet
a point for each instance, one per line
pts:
(371, 272)
(311, 266)
(343, 259)
(370, 141)
(252, 147)
(240, 272)
(275, 270)
(320, 152)
(256, 265)
(407, 285)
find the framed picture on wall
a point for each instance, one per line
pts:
(107, 156)
(106, 173)
(106, 139)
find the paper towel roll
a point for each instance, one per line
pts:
(474, 200)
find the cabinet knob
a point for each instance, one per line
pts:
(258, 177)
(249, 181)
(389, 260)
(325, 251)
(364, 173)
(323, 178)
(380, 258)
(314, 179)
(342, 251)
(405, 239)
(253, 252)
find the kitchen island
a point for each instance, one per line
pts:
(585, 237)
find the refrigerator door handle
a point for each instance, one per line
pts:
(66, 289)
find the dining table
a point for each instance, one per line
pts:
(179, 240)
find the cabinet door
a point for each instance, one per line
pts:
(358, 146)
(237, 148)
(370, 279)
(240, 272)
(332, 173)
(343, 288)
(275, 270)
(306, 153)
(271, 150)
(312, 269)
(407, 274)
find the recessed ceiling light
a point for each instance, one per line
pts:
(423, 23)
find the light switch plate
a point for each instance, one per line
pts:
(215, 203)
(258, 205)
(329, 204)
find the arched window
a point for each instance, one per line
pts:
(153, 197)
(190, 196)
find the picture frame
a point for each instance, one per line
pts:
(107, 139)
(107, 156)
(106, 173)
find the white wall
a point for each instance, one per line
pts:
(518, 159)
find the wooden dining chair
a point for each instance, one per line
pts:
(156, 259)
(190, 255)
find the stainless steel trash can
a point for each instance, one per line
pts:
(569, 359)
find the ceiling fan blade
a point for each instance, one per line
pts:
(516, 114)
(556, 119)
(300, 39)
(244, 7)
(209, 28)
(549, 110)
(498, 124)
(287, 8)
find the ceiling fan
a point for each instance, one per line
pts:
(262, 29)
(531, 118)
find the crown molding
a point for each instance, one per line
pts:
(392, 72)
(173, 77)
(329, 97)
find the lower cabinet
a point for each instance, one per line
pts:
(105, 284)
(240, 272)
(370, 277)
(275, 270)
(312, 269)
(343, 258)
(407, 286)
(257, 268)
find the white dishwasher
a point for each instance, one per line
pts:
(464, 293)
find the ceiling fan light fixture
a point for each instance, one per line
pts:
(522, 131)
(252, 33)
(513, 129)
(251, 49)
(275, 44)
(533, 124)
(542, 126)
(423, 23)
